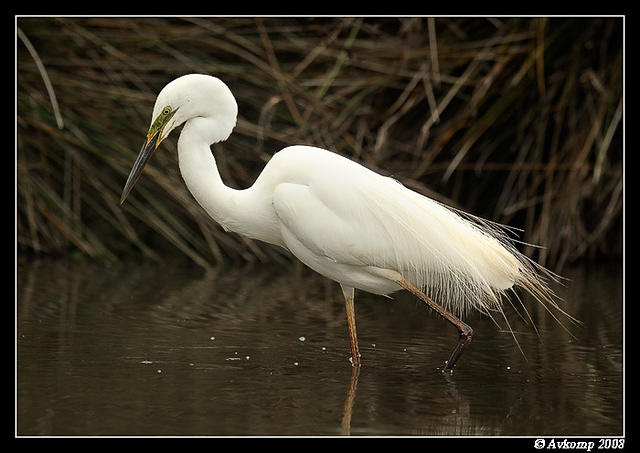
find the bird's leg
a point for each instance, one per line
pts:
(351, 321)
(465, 332)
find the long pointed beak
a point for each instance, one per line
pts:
(150, 145)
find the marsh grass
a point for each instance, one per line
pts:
(518, 120)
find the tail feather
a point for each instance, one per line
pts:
(464, 262)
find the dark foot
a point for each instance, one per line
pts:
(466, 333)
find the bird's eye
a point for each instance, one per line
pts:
(166, 111)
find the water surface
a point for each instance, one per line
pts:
(170, 349)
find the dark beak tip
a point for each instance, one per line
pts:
(146, 152)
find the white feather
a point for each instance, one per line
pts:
(354, 216)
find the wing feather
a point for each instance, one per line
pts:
(355, 216)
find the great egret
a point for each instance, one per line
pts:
(348, 223)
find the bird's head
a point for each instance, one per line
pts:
(187, 97)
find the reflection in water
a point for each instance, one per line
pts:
(348, 402)
(174, 350)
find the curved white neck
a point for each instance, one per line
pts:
(248, 212)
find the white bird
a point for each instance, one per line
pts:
(348, 223)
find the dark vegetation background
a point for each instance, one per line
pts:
(518, 120)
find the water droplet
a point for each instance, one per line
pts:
(212, 338)
(301, 338)
(146, 362)
(295, 363)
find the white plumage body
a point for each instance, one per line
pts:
(347, 222)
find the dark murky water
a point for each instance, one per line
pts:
(161, 350)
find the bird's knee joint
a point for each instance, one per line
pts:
(466, 333)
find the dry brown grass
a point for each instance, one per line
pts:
(515, 119)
